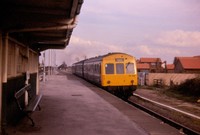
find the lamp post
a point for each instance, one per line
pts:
(44, 68)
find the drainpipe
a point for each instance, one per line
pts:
(44, 66)
(1, 82)
(5, 58)
(4, 61)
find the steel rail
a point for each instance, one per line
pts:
(169, 121)
(167, 106)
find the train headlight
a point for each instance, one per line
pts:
(132, 81)
(108, 82)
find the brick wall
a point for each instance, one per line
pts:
(166, 77)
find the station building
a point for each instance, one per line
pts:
(26, 29)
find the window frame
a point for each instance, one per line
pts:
(111, 71)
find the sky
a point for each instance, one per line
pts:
(141, 28)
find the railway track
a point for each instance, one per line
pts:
(166, 119)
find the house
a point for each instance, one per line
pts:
(187, 64)
(154, 65)
(143, 67)
(170, 68)
(63, 66)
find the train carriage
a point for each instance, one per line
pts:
(119, 69)
(92, 69)
(114, 71)
(77, 68)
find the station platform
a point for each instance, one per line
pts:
(72, 106)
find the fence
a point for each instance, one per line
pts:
(166, 78)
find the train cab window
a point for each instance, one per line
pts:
(129, 68)
(120, 68)
(109, 68)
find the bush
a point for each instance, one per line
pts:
(190, 87)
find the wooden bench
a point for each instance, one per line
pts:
(33, 102)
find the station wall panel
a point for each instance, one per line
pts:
(12, 112)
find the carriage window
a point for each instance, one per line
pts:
(120, 68)
(130, 68)
(109, 68)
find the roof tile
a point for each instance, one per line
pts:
(143, 66)
(148, 60)
(170, 66)
(190, 62)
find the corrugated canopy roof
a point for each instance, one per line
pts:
(40, 24)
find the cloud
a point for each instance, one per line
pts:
(166, 45)
(79, 41)
(134, 27)
(148, 50)
(165, 53)
(92, 45)
(179, 38)
(141, 8)
(145, 50)
(80, 49)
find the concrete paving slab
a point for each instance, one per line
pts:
(69, 107)
(150, 124)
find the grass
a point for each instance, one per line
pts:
(180, 96)
(188, 91)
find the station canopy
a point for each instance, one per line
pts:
(40, 24)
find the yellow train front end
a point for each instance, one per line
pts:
(119, 74)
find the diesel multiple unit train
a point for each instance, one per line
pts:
(115, 72)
